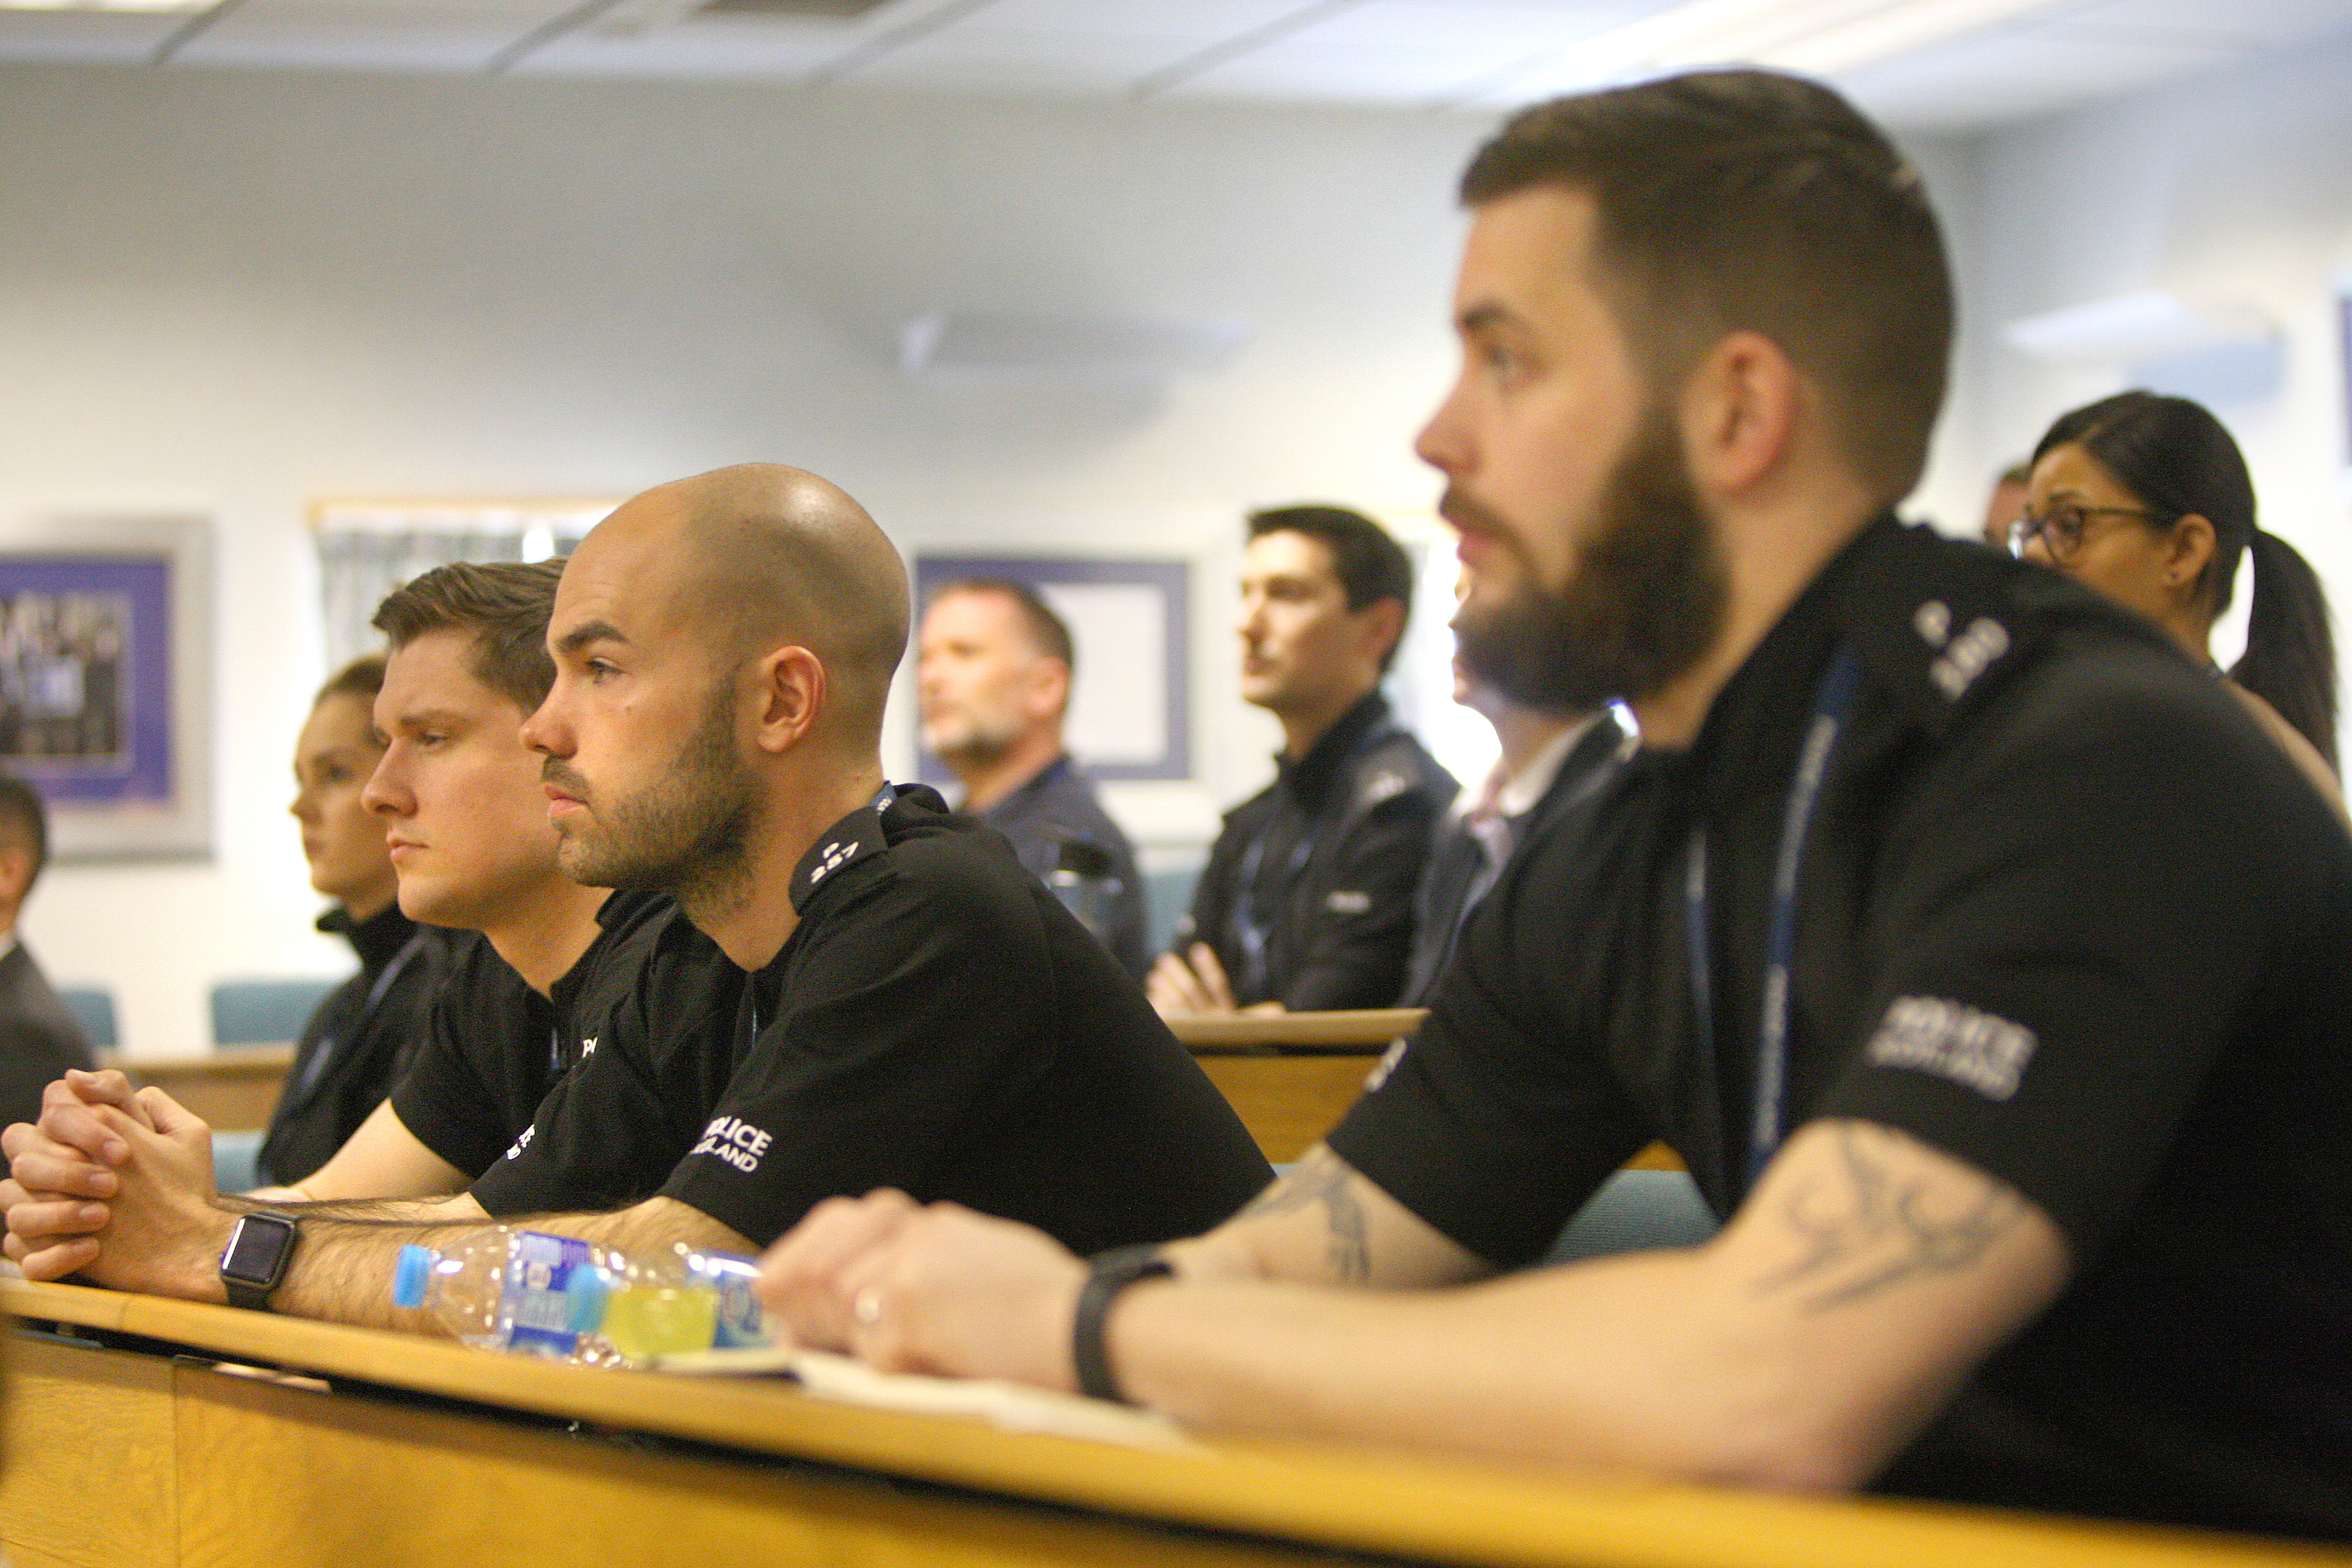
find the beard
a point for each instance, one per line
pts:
(968, 736)
(687, 835)
(1644, 602)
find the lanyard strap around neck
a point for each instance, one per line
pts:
(1831, 703)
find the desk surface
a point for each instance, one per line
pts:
(1294, 1495)
(1371, 1028)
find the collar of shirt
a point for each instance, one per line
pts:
(1312, 777)
(1757, 723)
(1523, 789)
(1035, 783)
(376, 938)
(853, 838)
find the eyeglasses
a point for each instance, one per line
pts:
(2061, 527)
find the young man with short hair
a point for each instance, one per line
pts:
(519, 992)
(1968, 942)
(1306, 900)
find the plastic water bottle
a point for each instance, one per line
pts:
(507, 1289)
(680, 1299)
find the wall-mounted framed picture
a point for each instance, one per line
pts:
(1130, 625)
(106, 680)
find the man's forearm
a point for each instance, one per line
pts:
(342, 1269)
(1864, 1280)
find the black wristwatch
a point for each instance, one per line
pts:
(256, 1258)
(1109, 1274)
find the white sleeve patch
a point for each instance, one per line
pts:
(1344, 901)
(1972, 1048)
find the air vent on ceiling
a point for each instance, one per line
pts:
(833, 10)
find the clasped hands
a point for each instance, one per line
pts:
(1194, 982)
(116, 1185)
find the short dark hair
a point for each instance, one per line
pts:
(24, 822)
(1735, 200)
(1370, 565)
(505, 604)
(1047, 630)
(361, 678)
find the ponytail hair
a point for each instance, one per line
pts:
(2290, 658)
(2177, 459)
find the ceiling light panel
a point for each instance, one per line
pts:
(357, 34)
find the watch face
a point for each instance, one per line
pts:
(256, 1253)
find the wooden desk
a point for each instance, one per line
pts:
(127, 1454)
(234, 1089)
(1292, 1075)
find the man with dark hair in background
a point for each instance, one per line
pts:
(994, 666)
(1306, 900)
(38, 1037)
(1973, 947)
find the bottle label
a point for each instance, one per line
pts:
(736, 1323)
(537, 1298)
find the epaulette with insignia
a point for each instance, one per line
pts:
(1939, 623)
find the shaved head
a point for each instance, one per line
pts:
(762, 555)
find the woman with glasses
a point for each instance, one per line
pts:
(2146, 499)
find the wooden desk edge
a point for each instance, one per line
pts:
(1319, 1495)
(1371, 1030)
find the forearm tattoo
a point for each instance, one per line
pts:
(1322, 1177)
(1872, 1225)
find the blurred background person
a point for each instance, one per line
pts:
(993, 666)
(1306, 901)
(2007, 503)
(39, 1038)
(1548, 758)
(355, 1045)
(2146, 498)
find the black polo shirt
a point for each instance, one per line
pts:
(1056, 806)
(357, 1042)
(2064, 914)
(939, 1022)
(658, 1044)
(1307, 897)
(493, 1047)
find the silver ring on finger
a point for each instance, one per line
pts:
(866, 1308)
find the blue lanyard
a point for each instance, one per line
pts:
(1831, 703)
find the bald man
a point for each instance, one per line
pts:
(909, 1008)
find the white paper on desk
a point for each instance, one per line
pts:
(1011, 1406)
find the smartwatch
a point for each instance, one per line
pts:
(1107, 1276)
(256, 1258)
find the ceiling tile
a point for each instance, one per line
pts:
(2015, 74)
(96, 37)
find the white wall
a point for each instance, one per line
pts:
(242, 292)
(2236, 185)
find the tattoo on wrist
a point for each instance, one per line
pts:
(1872, 1227)
(1322, 1177)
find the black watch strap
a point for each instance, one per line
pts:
(255, 1260)
(1110, 1273)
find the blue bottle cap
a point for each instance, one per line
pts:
(587, 1291)
(408, 1280)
